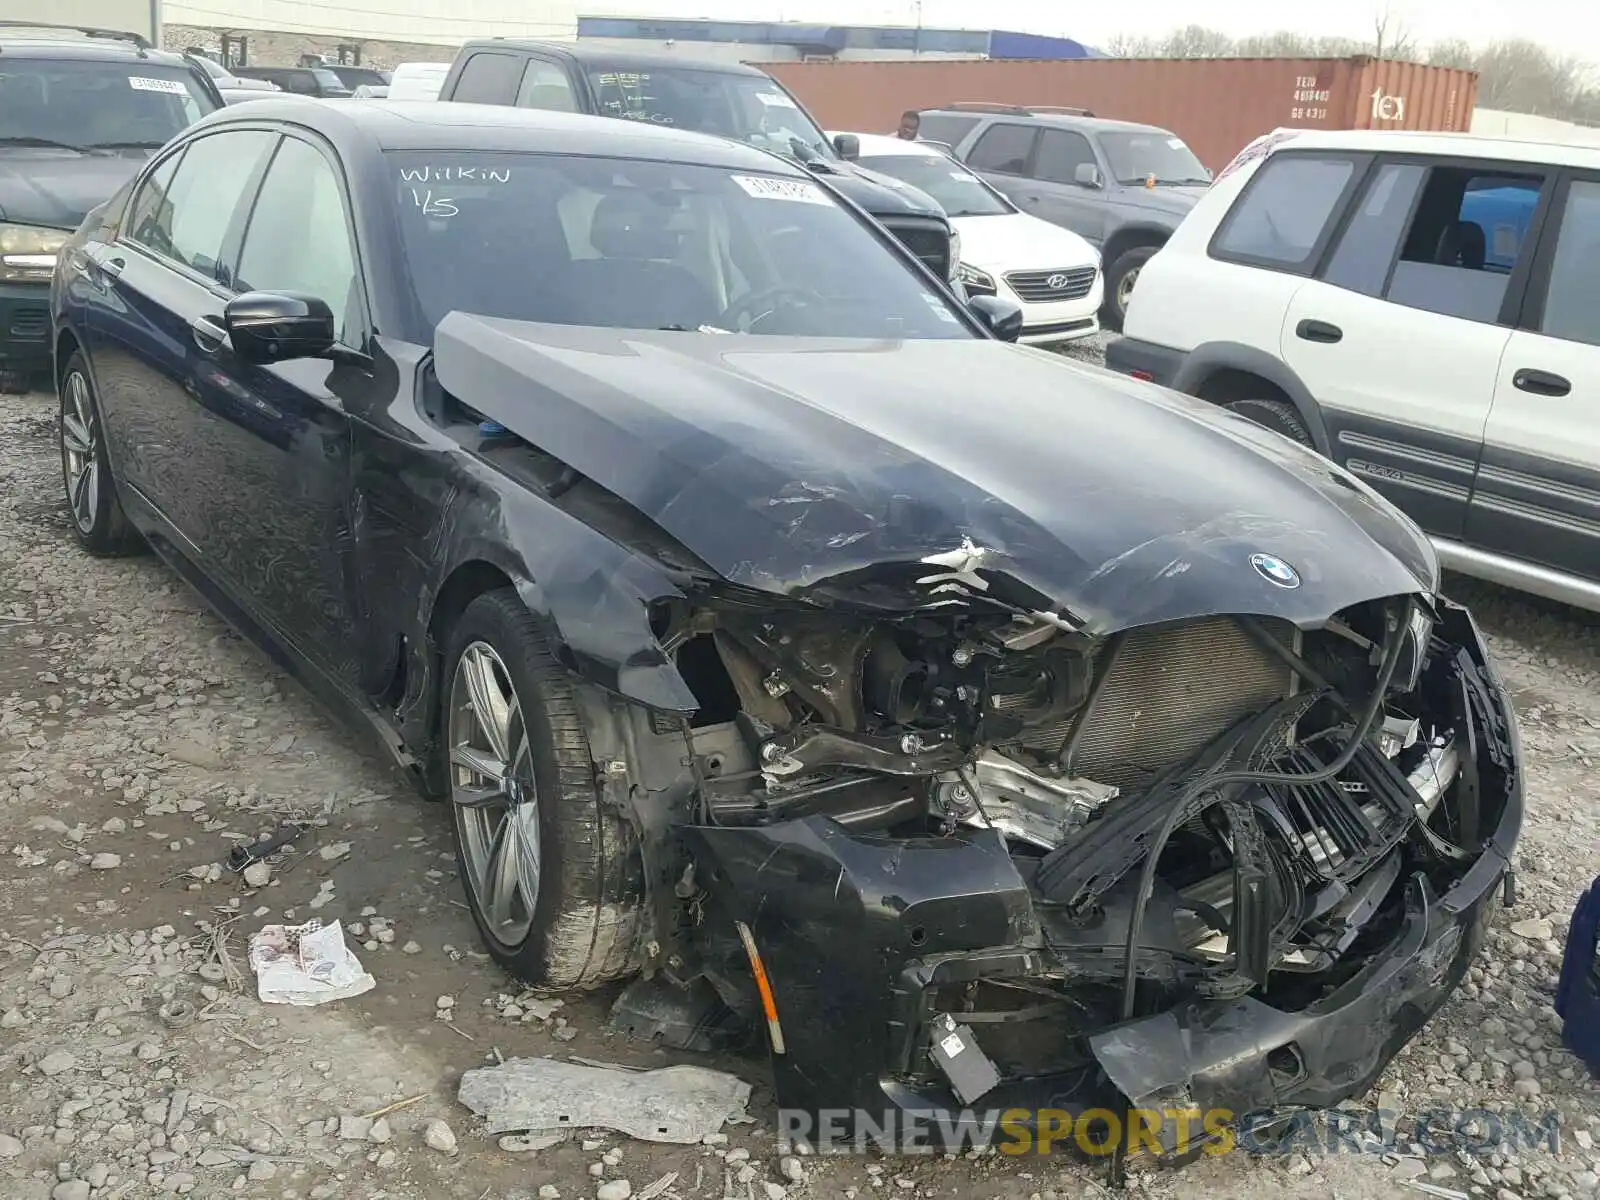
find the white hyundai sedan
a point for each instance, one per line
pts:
(1052, 272)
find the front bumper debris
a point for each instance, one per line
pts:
(871, 941)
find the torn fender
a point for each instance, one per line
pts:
(594, 593)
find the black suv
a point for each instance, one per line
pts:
(323, 82)
(80, 111)
(727, 99)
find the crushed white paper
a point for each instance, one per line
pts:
(306, 964)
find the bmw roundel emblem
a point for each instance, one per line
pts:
(1275, 571)
(1056, 283)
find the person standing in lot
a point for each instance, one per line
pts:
(910, 123)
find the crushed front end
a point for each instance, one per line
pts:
(887, 827)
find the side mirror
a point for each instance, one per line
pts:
(269, 327)
(1002, 318)
(1086, 175)
(848, 145)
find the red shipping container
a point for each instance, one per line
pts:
(1217, 105)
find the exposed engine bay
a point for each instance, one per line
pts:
(949, 819)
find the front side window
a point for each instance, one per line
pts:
(1003, 149)
(958, 191)
(93, 105)
(1465, 238)
(1279, 218)
(646, 245)
(1138, 157)
(1572, 303)
(747, 108)
(204, 196)
(545, 85)
(298, 239)
(329, 83)
(1061, 153)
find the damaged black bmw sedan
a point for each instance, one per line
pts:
(974, 726)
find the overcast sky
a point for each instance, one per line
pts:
(1566, 26)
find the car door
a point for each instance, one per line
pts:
(280, 430)
(167, 269)
(1401, 334)
(1537, 497)
(1059, 193)
(1003, 154)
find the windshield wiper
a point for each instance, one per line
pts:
(49, 143)
(140, 145)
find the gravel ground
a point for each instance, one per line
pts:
(139, 738)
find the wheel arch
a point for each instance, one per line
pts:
(66, 345)
(1222, 372)
(1131, 237)
(592, 598)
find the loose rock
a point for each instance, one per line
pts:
(614, 1189)
(105, 861)
(440, 1137)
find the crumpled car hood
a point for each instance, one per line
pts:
(785, 462)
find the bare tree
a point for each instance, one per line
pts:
(1390, 37)
(1517, 75)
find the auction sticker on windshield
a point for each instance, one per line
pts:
(775, 99)
(764, 187)
(141, 83)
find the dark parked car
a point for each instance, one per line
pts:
(727, 99)
(322, 82)
(771, 627)
(357, 77)
(78, 116)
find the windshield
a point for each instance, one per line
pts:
(959, 192)
(1134, 157)
(646, 245)
(87, 104)
(750, 108)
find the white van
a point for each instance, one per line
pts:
(417, 81)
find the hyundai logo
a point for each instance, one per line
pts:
(1275, 571)
(1057, 283)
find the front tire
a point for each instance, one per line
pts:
(1124, 273)
(554, 880)
(98, 521)
(1277, 415)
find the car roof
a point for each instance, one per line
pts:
(83, 49)
(1452, 145)
(882, 145)
(1069, 120)
(450, 125)
(589, 54)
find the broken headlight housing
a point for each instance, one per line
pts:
(28, 252)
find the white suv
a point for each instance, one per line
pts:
(1424, 309)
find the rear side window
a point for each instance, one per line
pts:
(1282, 216)
(489, 78)
(1572, 303)
(1368, 246)
(943, 127)
(1003, 149)
(1466, 237)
